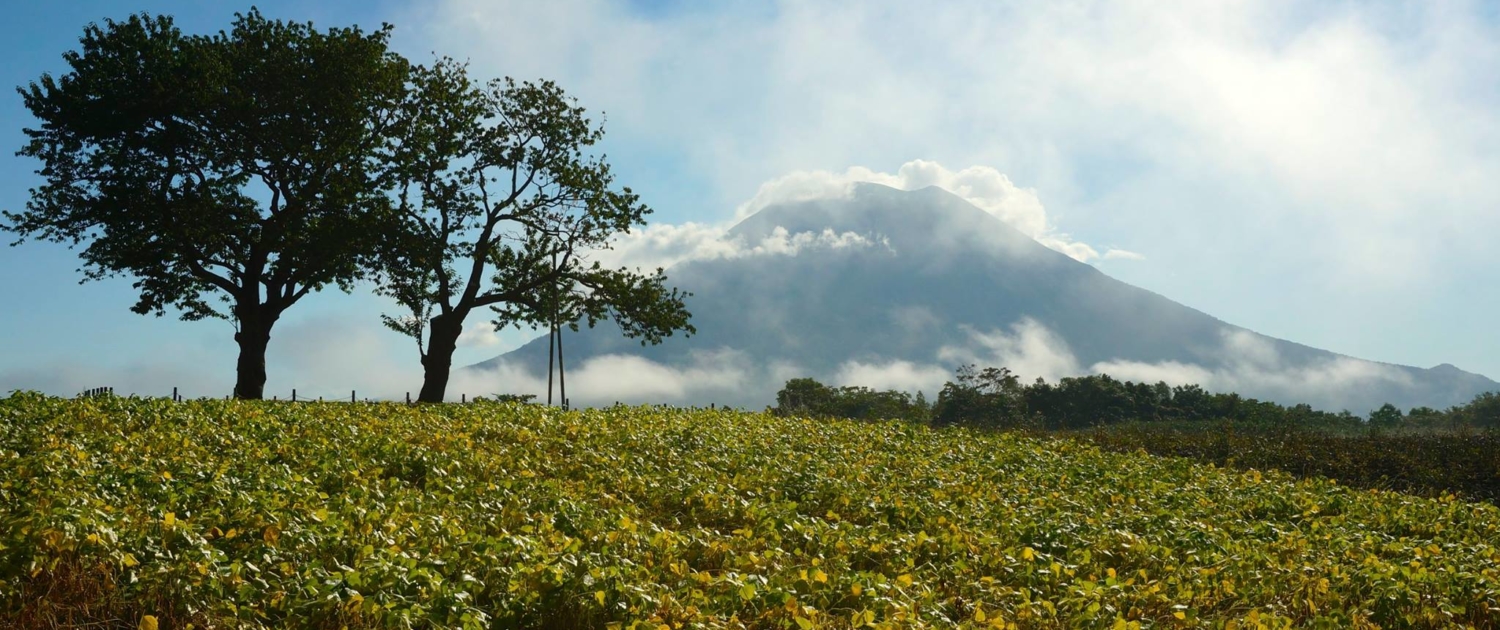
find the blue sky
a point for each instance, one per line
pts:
(1325, 173)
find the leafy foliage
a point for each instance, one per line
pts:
(806, 397)
(253, 514)
(500, 206)
(1427, 463)
(235, 168)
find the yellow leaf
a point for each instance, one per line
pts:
(979, 614)
(819, 576)
(599, 597)
(167, 476)
(169, 519)
(904, 579)
(1028, 554)
(129, 560)
(856, 589)
(1180, 615)
(147, 623)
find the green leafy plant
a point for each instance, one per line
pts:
(274, 515)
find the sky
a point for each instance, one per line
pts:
(1326, 173)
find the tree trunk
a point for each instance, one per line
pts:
(253, 337)
(442, 340)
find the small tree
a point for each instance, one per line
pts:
(1386, 417)
(500, 207)
(239, 166)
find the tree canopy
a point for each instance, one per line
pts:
(230, 175)
(500, 205)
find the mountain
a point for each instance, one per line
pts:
(894, 289)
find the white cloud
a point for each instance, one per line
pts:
(1254, 366)
(664, 245)
(724, 375)
(986, 188)
(1248, 363)
(899, 375)
(1121, 254)
(480, 334)
(1030, 350)
(1348, 149)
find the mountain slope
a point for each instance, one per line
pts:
(894, 288)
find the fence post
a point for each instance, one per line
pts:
(463, 398)
(294, 394)
(174, 394)
(351, 395)
(408, 398)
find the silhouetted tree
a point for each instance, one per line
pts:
(231, 175)
(1386, 417)
(500, 207)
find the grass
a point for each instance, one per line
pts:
(228, 514)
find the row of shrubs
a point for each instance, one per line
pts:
(996, 398)
(1423, 451)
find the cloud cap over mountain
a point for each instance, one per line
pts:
(895, 288)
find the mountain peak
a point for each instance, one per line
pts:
(943, 283)
(913, 221)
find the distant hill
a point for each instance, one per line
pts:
(896, 288)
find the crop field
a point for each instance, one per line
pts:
(152, 514)
(1425, 463)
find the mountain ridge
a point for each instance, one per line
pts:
(886, 281)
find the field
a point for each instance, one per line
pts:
(1427, 463)
(148, 513)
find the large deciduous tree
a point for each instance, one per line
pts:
(501, 206)
(230, 175)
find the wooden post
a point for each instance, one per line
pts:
(351, 395)
(408, 398)
(551, 352)
(463, 398)
(174, 394)
(294, 394)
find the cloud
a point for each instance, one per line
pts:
(143, 378)
(664, 245)
(1245, 362)
(724, 376)
(1348, 149)
(1121, 254)
(1253, 366)
(480, 334)
(898, 375)
(1029, 349)
(986, 188)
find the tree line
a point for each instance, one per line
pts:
(994, 397)
(231, 175)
